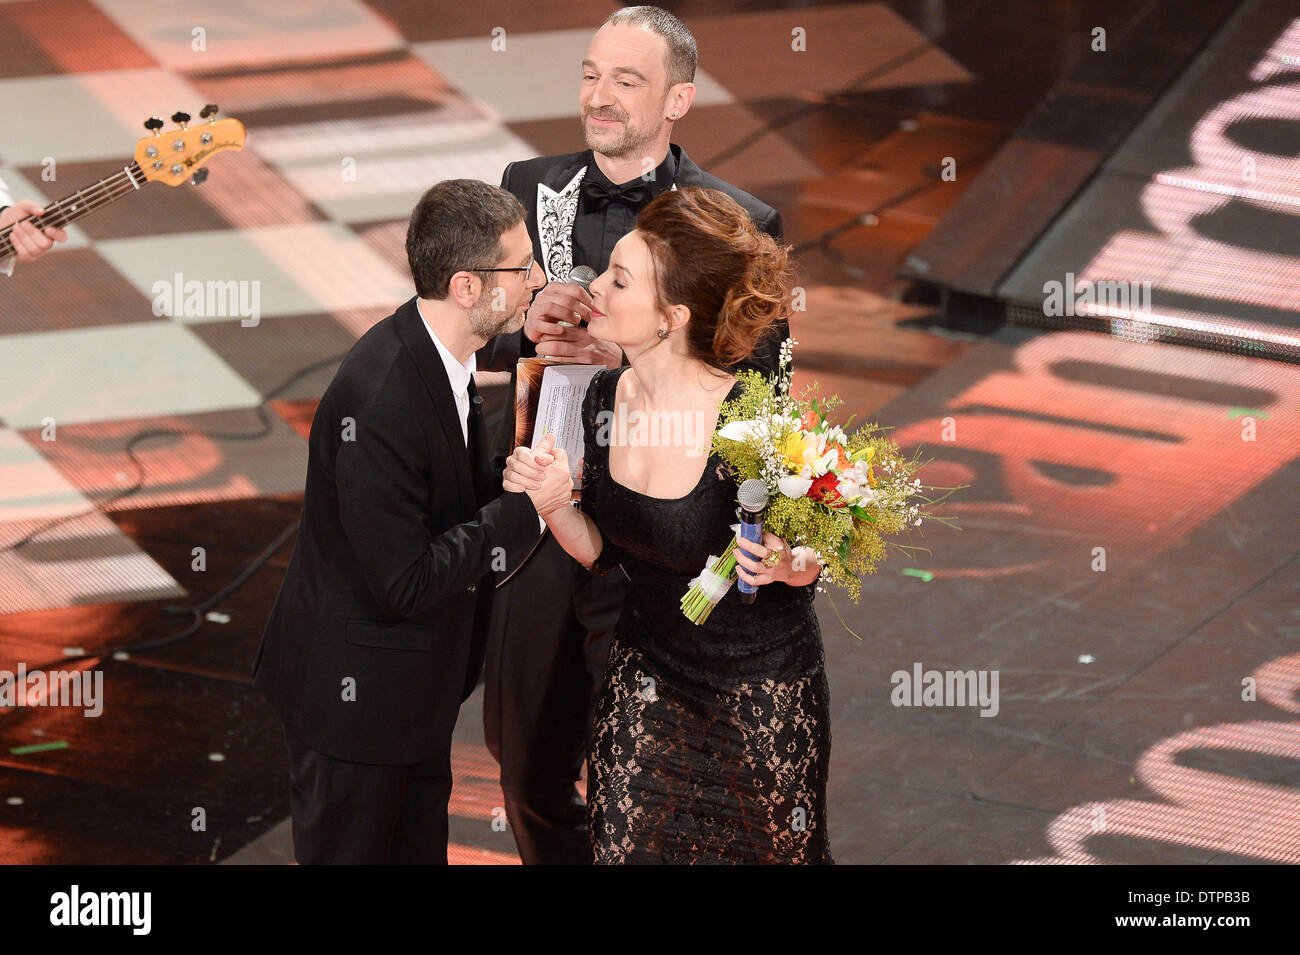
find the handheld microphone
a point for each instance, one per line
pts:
(753, 502)
(582, 275)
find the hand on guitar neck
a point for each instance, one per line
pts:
(29, 242)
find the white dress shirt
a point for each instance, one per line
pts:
(458, 373)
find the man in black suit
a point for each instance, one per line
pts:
(546, 660)
(377, 634)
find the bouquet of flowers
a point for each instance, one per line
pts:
(840, 493)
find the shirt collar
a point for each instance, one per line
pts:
(458, 373)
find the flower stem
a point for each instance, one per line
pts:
(696, 605)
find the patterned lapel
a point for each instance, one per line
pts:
(556, 210)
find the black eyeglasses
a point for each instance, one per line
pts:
(526, 269)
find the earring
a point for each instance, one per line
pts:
(663, 333)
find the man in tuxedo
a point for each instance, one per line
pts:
(29, 242)
(546, 660)
(377, 633)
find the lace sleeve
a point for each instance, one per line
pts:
(595, 459)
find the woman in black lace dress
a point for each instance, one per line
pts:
(711, 742)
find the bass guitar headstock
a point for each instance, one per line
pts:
(180, 154)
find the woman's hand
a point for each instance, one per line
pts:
(542, 473)
(775, 560)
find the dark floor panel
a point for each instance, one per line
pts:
(143, 765)
(62, 820)
(89, 293)
(274, 351)
(241, 530)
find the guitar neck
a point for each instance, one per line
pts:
(73, 207)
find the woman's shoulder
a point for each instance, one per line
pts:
(600, 390)
(607, 378)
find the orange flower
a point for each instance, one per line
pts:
(809, 420)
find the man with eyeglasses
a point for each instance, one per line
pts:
(548, 646)
(378, 631)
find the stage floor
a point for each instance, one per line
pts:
(1126, 565)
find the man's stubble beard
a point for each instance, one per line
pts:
(487, 323)
(629, 143)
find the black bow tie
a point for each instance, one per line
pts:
(597, 195)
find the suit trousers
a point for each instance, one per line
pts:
(367, 814)
(543, 672)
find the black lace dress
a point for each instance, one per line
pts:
(711, 742)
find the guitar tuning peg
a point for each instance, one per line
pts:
(180, 119)
(153, 124)
(200, 177)
(208, 112)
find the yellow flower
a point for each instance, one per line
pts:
(793, 450)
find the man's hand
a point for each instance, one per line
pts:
(543, 474)
(556, 302)
(567, 302)
(30, 243)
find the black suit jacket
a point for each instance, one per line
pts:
(385, 600)
(521, 178)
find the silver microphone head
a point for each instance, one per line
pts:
(753, 495)
(582, 275)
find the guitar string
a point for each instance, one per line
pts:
(101, 194)
(90, 195)
(92, 198)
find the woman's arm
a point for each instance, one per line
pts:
(576, 533)
(527, 470)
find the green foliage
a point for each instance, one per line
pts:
(849, 545)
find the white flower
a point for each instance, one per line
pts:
(792, 486)
(848, 489)
(825, 462)
(741, 431)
